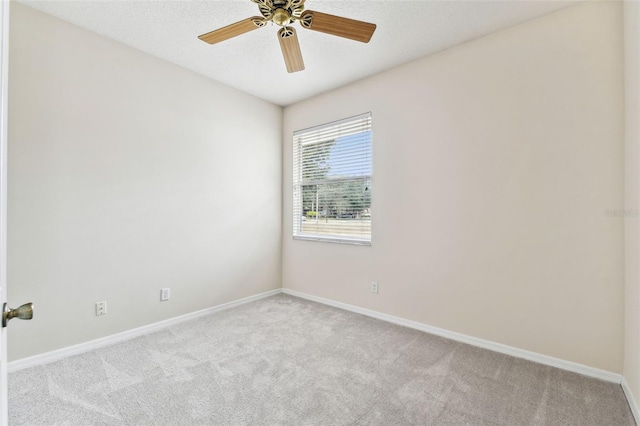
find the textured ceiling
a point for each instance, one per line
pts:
(253, 62)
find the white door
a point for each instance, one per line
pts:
(25, 311)
(4, 70)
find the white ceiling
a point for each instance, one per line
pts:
(253, 63)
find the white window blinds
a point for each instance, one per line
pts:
(332, 181)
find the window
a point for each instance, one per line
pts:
(332, 181)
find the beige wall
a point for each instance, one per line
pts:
(494, 163)
(632, 195)
(128, 174)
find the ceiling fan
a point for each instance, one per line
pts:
(284, 13)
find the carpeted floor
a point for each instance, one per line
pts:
(288, 361)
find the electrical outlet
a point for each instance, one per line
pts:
(165, 293)
(101, 308)
(374, 287)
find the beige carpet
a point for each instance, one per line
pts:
(288, 361)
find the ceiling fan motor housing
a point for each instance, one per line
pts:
(281, 17)
(280, 12)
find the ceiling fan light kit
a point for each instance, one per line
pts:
(284, 13)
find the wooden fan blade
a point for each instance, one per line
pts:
(233, 30)
(291, 49)
(338, 26)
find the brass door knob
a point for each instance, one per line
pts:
(24, 312)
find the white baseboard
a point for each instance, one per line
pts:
(632, 401)
(48, 357)
(486, 344)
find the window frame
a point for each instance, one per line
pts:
(298, 183)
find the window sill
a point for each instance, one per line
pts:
(333, 239)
